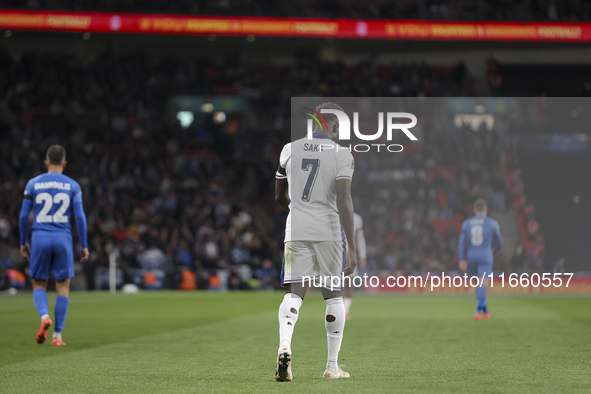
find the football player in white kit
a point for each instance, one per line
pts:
(314, 185)
(361, 256)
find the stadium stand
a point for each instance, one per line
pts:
(537, 10)
(172, 200)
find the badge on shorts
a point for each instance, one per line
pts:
(353, 164)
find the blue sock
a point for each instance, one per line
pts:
(481, 297)
(482, 304)
(61, 312)
(40, 299)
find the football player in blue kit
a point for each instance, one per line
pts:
(478, 233)
(51, 195)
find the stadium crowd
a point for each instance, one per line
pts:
(524, 10)
(191, 203)
(416, 202)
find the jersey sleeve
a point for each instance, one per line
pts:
(28, 193)
(77, 197)
(346, 164)
(283, 159)
(25, 211)
(80, 216)
(462, 242)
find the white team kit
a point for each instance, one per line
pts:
(315, 244)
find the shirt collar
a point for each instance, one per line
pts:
(318, 135)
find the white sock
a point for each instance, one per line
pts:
(334, 322)
(57, 335)
(348, 302)
(43, 317)
(288, 316)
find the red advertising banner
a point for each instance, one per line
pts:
(292, 27)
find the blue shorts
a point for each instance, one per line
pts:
(479, 268)
(52, 250)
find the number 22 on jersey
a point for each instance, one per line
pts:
(47, 201)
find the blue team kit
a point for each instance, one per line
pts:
(52, 196)
(479, 232)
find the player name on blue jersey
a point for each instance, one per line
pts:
(52, 185)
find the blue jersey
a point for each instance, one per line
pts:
(478, 232)
(53, 196)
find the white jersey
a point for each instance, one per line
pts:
(312, 167)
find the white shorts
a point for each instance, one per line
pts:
(312, 259)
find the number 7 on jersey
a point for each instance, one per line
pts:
(308, 164)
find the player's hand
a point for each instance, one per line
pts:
(362, 263)
(26, 251)
(83, 255)
(463, 265)
(351, 262)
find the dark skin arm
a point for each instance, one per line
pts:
(281, 194)
(345, 207)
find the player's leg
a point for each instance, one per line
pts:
(473, 271)
(63, 270)
(40, 297)
(292, 272)
(289, 311)
(329, 257)
(349, 288)
(62, 303)
(334, 322)
(348, 300)
(40, 263)
(484, 269)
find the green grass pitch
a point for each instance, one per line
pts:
(227, 342)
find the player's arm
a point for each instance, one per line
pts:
(281, 185)
(281, 193)
(463, 265)
(81, 224)
(24, 225)
(345, 208)
(499, 239)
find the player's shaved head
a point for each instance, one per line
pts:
(329, 105)
(480, 206)
(56, 154)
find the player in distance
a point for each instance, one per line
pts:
(51, 195)
(314, 185)
(478, 233)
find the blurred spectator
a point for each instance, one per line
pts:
(267, 275)
(518, 257)
(559, 266)
(152, 259)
